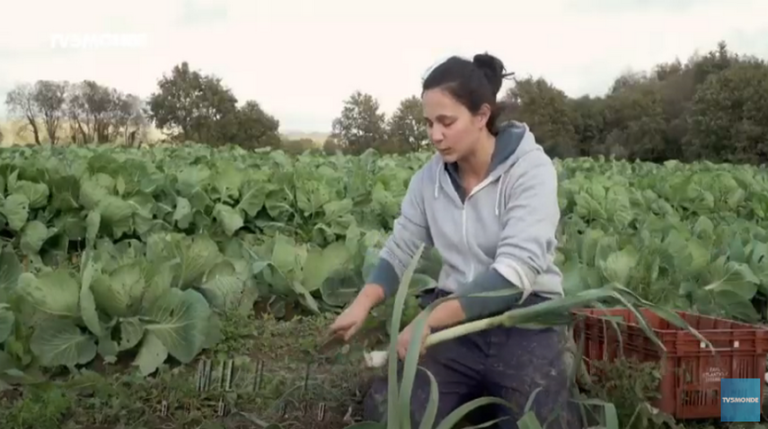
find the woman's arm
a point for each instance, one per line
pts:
(409, 233)
(370, 296)
(447, 314)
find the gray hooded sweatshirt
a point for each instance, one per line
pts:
(500, 236)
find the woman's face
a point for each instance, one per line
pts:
(453, 130)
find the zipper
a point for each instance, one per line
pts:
(466, 239)
(488, 180)
(478, 188)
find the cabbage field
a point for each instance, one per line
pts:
(143, 256)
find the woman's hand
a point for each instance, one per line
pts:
(404, 339)
(351, 320)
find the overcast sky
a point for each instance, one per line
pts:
(300, 58)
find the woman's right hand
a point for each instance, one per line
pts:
(351, 320)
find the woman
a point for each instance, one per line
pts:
(487, 201)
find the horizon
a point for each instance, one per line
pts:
(580, 48)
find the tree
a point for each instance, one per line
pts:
(49, 97)
(20, 102)
(255, 128)
(132, 118)
(94, 112)
(298, 146)
(729, 115)
(406, 127)
(191, 106)
(88, 111)
(360, 126)
(635, 119)
(588, 124)
(331, 146)
(548, 114)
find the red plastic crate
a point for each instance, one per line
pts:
(691, 373)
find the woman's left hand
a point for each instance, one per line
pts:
(404, 339)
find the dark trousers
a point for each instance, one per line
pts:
(507, 363)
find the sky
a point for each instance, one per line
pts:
(300, 59)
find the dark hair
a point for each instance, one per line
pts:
(471, 83)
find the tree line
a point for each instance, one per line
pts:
(712, 106)
(187, 106)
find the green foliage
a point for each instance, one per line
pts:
(120, 249)
(666, 232)
(110, 251)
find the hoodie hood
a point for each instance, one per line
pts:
(513, 141)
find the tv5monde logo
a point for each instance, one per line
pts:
(740, 399)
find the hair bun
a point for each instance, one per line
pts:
(492, 68)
